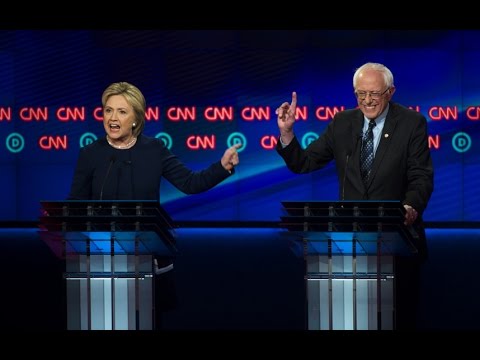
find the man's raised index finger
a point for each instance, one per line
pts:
(294, 100)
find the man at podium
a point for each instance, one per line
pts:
(127, 165)
(381, 152)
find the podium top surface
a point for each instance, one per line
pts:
(343, 226)
(129, 225)
(366, 204)
(323, 202)
(73, 210)
(345, 210)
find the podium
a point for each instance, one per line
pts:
(349, 248)
(109, 248)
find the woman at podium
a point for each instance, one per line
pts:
(127, 165)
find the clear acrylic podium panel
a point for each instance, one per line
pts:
(121, 298)
(349, 275)
(108, 247)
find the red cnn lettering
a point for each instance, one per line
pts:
(195, 142)
(268, 142)
(30, 114)
(98, 113)
(249, 113)
(178, 113)
(71, 114)
(5, 113)
(439, 112)
(301, 113)
(473, 113)
(324, 113)
(152, 113)
(47, 142)
(434, 141)
(222, 113)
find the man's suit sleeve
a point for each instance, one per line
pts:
(317, 154)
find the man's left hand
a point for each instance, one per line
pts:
(410, 215)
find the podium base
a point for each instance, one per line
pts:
(350, 293)
(106, 292)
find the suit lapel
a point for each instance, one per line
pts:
(385, 140)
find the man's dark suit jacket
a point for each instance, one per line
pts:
(402, 168)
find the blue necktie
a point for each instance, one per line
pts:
(366, 157)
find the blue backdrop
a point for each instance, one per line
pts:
(52, 81)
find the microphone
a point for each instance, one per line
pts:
(345, 174)
(130, 162)
(112, 160)
(349, 155)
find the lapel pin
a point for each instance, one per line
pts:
(386, 135)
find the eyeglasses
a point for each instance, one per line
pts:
(361, 95)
